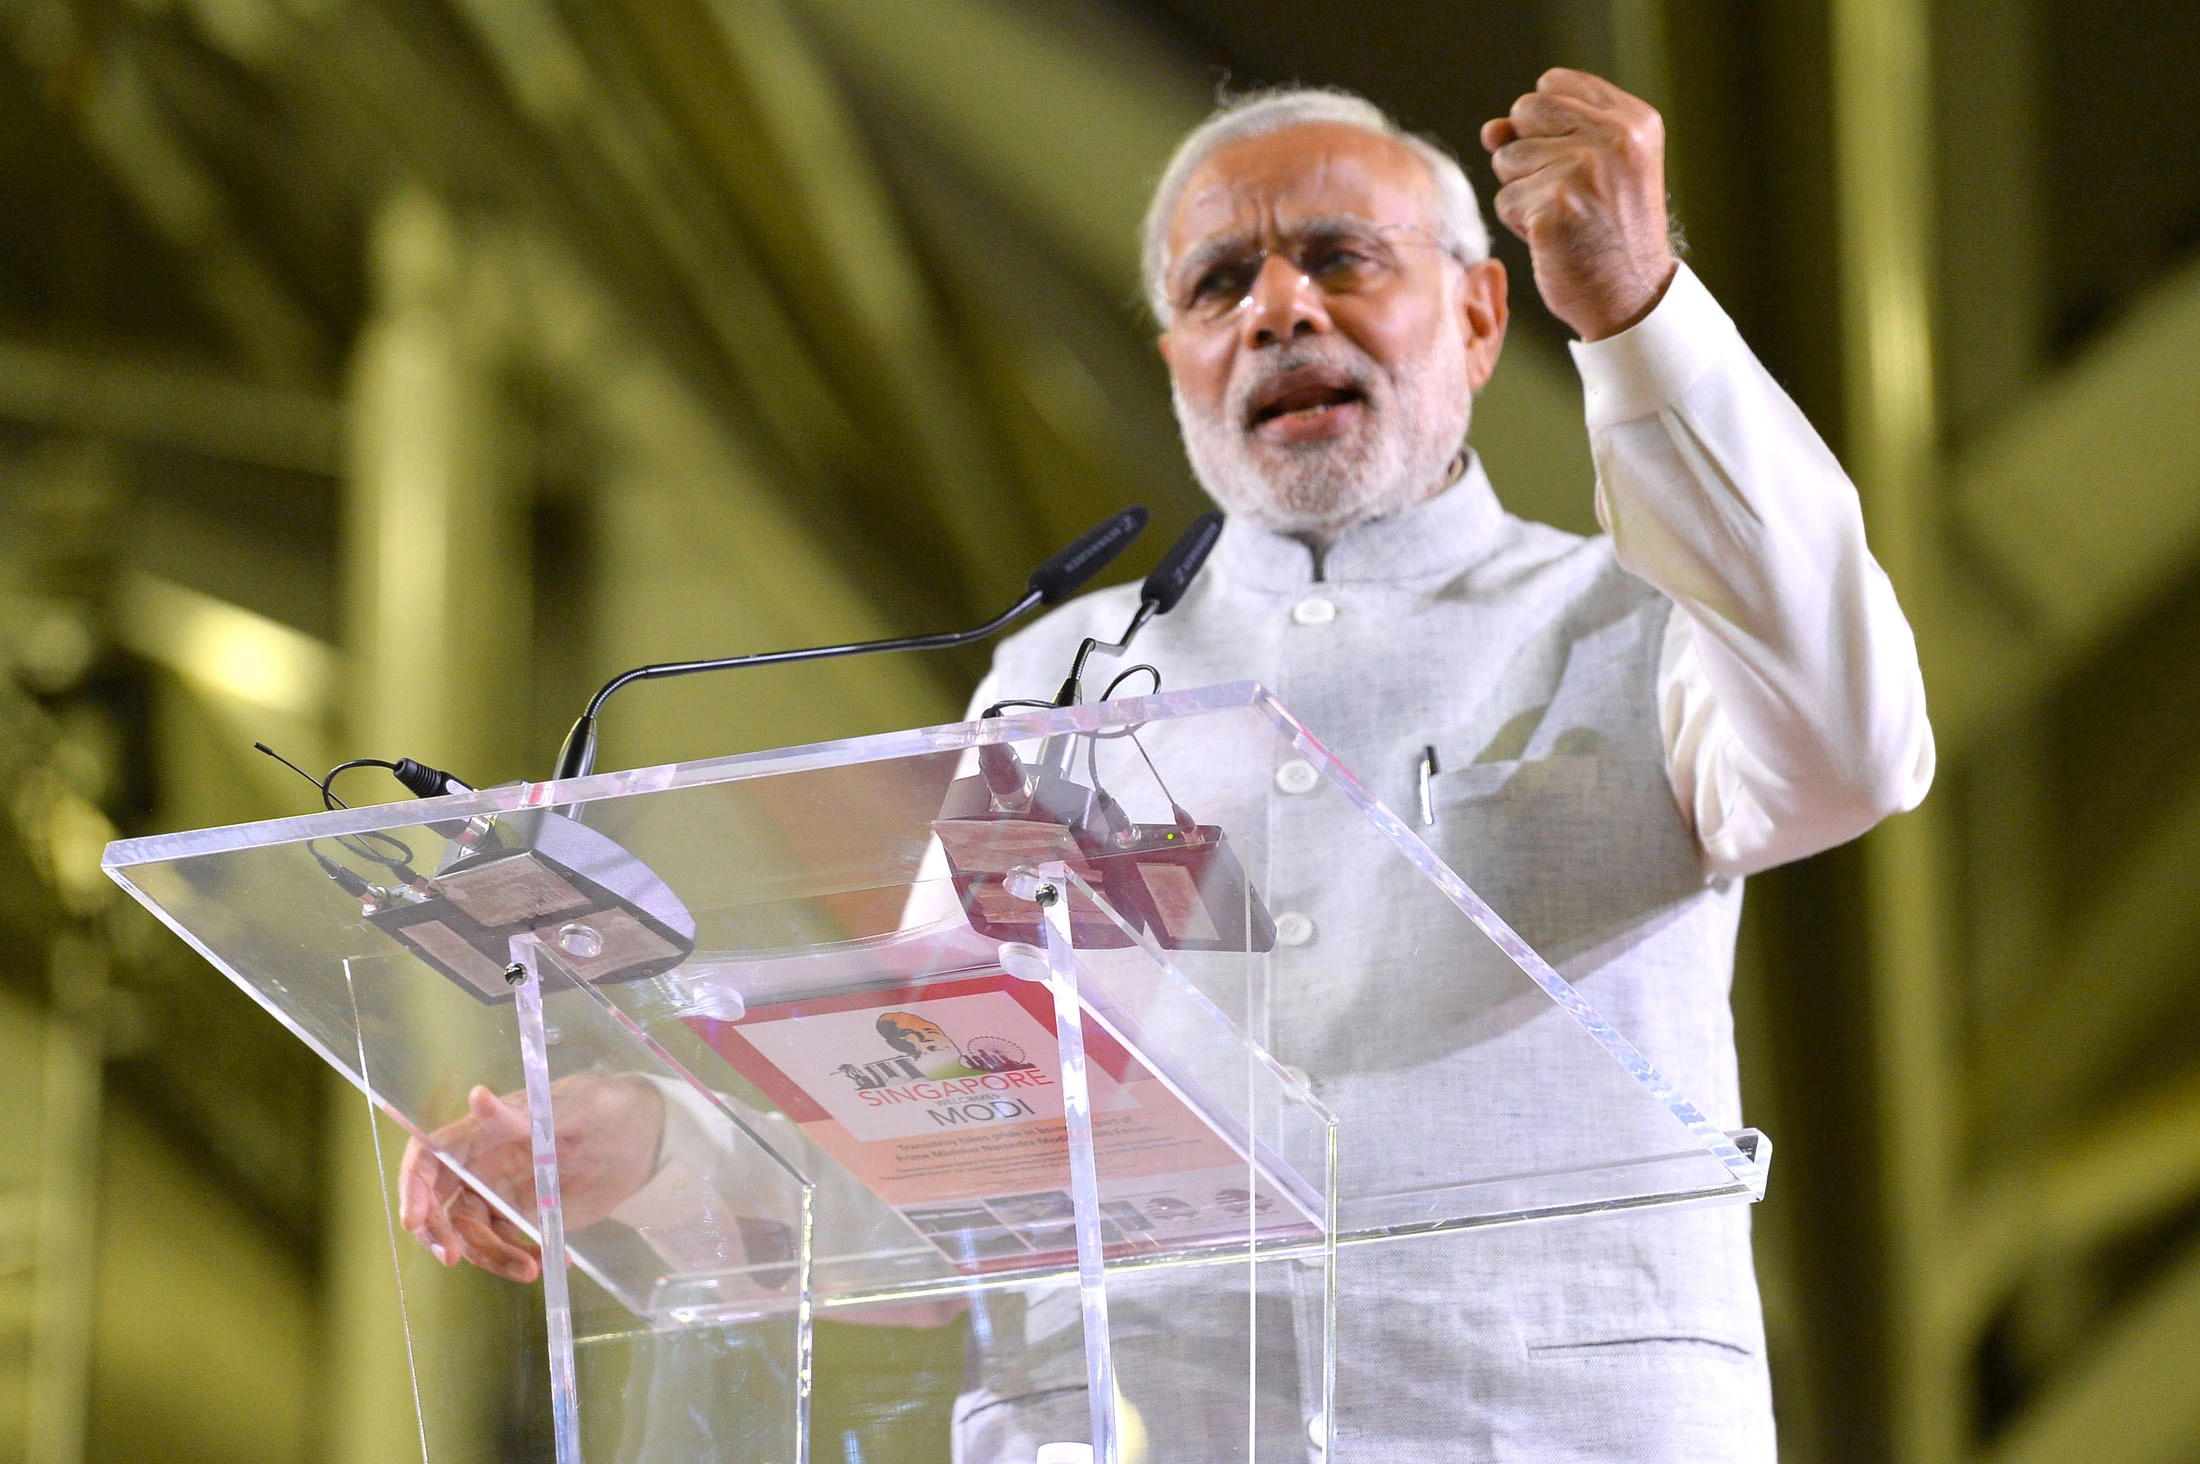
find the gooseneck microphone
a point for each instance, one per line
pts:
(1158, 596)
(1181, 565)
(1050, 584)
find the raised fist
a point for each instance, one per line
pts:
(1582, 166)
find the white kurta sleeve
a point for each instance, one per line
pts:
(1789, 695)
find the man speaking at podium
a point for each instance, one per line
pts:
(1729, 660)
(1719, 684)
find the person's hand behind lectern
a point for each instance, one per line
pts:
(609, 1130)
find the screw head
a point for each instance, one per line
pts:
(1047, 895)
(514, 974)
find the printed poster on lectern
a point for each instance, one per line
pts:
(946, 1100)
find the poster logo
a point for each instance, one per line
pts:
(924, 1050)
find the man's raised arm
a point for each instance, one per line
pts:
(1790, 698)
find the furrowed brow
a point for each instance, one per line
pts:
(1217, 247)
(1209, 251)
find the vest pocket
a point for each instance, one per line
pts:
(1468, 787)
(1518, 831)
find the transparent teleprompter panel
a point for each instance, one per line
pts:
(1218, 852)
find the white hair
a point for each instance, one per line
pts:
(1459, 226)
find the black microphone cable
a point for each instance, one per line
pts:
(419, 779)
(373, 846)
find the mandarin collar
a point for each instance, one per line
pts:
(1447, 532)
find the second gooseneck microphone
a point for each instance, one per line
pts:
(1158, 596)
(1049, 584)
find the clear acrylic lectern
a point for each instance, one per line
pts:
(1094, 1033)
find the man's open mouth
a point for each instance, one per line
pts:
(1303, 398)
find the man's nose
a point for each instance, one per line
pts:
(1283, 303)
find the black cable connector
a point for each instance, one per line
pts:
(427, 782)
(419, 779)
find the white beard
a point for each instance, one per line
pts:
(1413, 424)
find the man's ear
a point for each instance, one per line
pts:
(1483, 314)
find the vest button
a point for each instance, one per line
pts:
(1314, 610)
(1293, 929)
(1297, 776)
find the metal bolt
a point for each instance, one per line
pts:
(514, 974)
(1046, 896)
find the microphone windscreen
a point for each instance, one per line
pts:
(1059, 578)
(1180, 566)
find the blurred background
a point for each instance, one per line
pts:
(377, 375)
